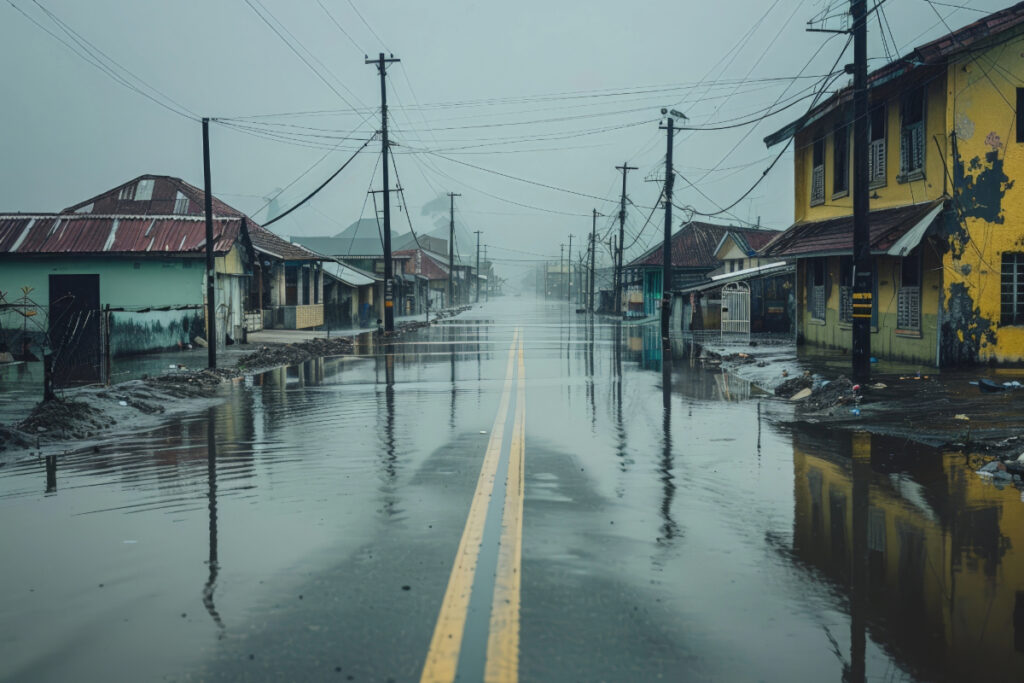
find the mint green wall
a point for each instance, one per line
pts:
(157, 282)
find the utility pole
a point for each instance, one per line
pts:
(389, 284)
(561, 263)
(477, 266)
(451, 247)
(211, 304)
(593, 252)
(666, 247)
(862, 266)
(625, 168)
(487, 288)
(568, 261)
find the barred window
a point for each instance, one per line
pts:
(908, 297)
(816, 303)
(1013, 289)
(818, 172)
(876, 149)
(846, 289)
(912, 134)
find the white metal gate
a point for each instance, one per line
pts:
(736, 312)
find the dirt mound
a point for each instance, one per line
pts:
(794, 385)
(835, 393)
(291, 354)
(64, 419)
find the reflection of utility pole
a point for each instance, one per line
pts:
(389, 284)
(51, 474)
(859, 572)
(625, 168)
(561, 266)
(451, 247)
(487, 287)
(669, 528)
(211, 493)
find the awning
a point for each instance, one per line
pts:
(740, 276)
(893, 232)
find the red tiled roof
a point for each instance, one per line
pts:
(835, 235)
(693, 246)
(103, 234)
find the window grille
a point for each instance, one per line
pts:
(845, 304)
(912, 134)
(1012, 289)
(818, 172)
(908, 308)
(876, 146)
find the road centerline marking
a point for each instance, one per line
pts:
(502, 664)
(446, 643)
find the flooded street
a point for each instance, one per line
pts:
(335, 520)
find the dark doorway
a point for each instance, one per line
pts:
(74, 328)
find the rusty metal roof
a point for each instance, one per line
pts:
(694, 245)
(119, 234)
(266, 242)
(424, 264)
(928, 55)
(835, 235)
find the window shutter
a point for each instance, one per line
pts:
(904, 150)
(876, 161)
(917, 140)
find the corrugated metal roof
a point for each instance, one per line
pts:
(265, 241)
(928, 55)
(347, 274)
(105, 234)
(424, 263)
(835, 235)
(754, 273)
(694, 245)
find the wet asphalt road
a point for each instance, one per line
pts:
(359, 518)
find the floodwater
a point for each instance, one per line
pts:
(307, 529)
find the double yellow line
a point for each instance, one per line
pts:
(502, 663)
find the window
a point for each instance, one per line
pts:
(846, 289)
(818, 171)
(912, 136)
(144, 190)
(816, 282)
(876, 147)
(840, 160)
(127, 192)
(1013, 289)
(1020, 114)
(908, 301)
(180, 203)
(291, 286)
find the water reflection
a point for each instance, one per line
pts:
(51, 474)
(928, 555)
(669, 527)
(211, 488)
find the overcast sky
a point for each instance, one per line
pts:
(556, 93)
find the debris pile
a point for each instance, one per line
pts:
(794, 385)
(838, 392)
(1002, 472)
(64, 419)
(290, 354)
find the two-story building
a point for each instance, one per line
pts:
(946, 223)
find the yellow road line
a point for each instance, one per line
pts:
(443, 656)
(502, 665)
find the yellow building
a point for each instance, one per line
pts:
(946, 222)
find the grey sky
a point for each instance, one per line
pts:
(478, 72)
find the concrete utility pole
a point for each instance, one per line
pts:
(487, 288)
(389, 285)
(625, 168)
(593, 252)
(666, 247)
(568, 277)
(477, 266)
(862, 266)
(211, 304)
(451, 247)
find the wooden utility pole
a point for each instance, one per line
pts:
(625, 168)
(593, 252)
(666, 247)
(568, 276)
(561, 263)
(862, 262)
(389, 284)
(451, 248)
(211, 304)
(487, 288)
(477, 266)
